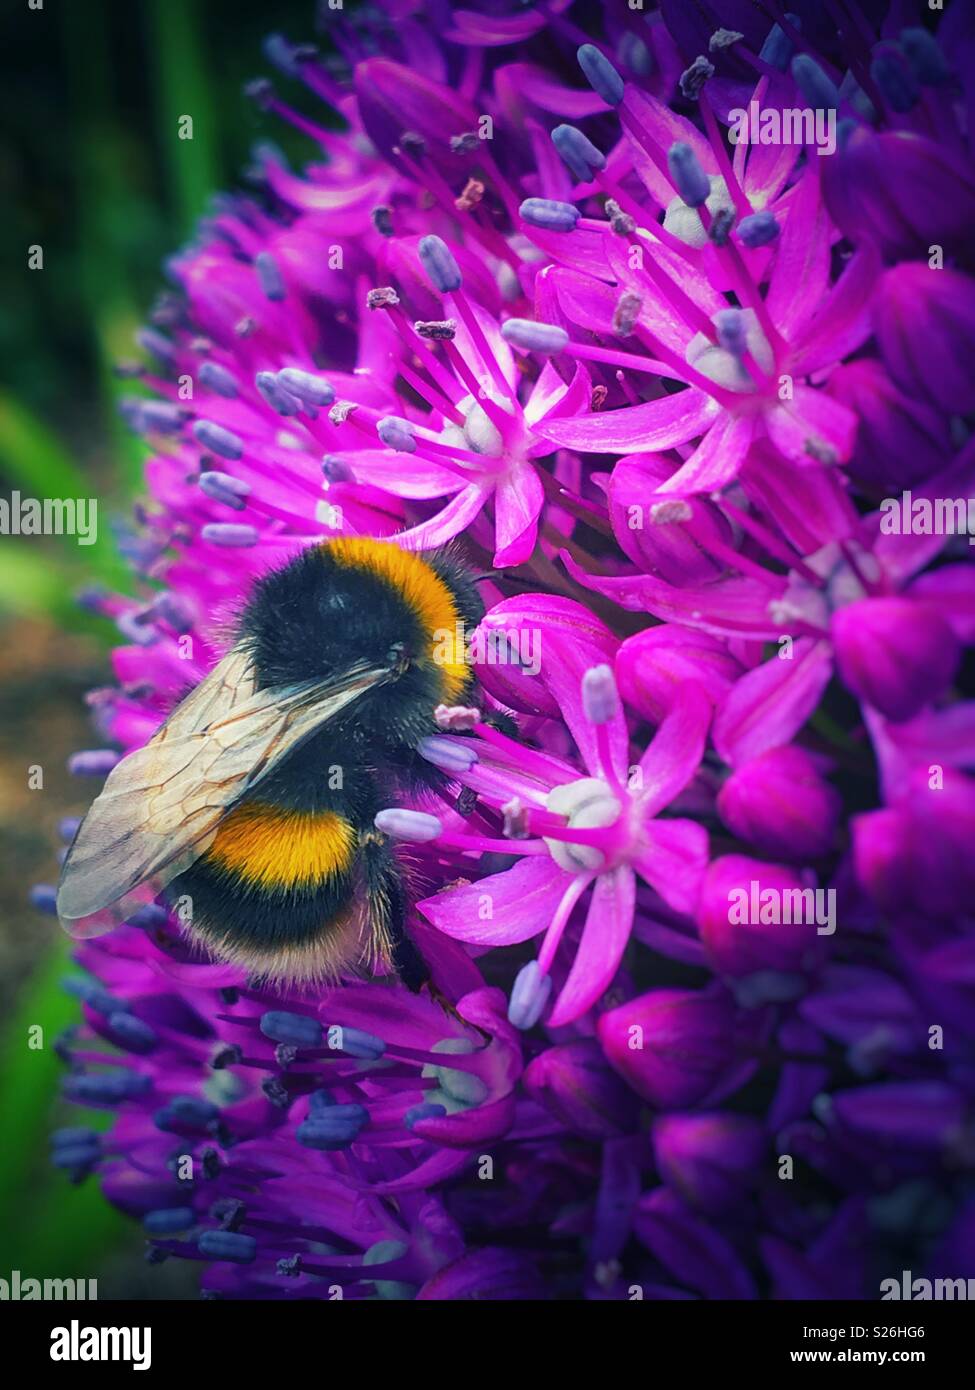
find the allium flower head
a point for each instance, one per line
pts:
(661, 388)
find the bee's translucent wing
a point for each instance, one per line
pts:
(161, 805)
(229, 684)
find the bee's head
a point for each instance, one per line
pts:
(363, 601)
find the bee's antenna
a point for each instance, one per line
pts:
(512, 581)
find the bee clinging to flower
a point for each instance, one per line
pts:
(256, 799)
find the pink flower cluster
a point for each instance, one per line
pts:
(529, 301)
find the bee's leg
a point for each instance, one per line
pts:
(387, 905)
(497, 719)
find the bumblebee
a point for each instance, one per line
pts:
(254, 803)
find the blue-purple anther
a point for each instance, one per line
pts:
(600, 74)
(218, 440)
(297, 1029)
(450, 755)
(335, 469)
(278, 397)
(778, 48)
(925, 57)
(547, 338)
(580, 156)
(529, 995)
(403, 824)
(148, 416)
(93, 762)
(270, 277)
(549, 214)
(600, 699)
(43, 896)
(230, 534)
(894, 78)
(106, 1088)
(91, 993)
(221, 487)
(438, 260)
(333, 1127)
(731, 331)
(307, 386)
(218, 379)
(690, 180)
(169, 1221)
(355, 1042)
(816, 86)
(236, 1247)
(397, 433)
(758, 229)
(131, 1033)
(186, 1115)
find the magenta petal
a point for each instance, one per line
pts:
(403, 1022)
(487, 1274)
(781, 804)
(569, 627)
(583, 299)
(442, 1164)
(517, 83)
(459, 512)
(478, 1125)
(844, 321)
(664, 127)
(676, 750)
(609, 922)
(801, 273)
(517, 506)
(912, 1115)
(675, 553)
(769, 705)
(729, 607)
(674, 861)
(404, 475)
(551, 398)
(637, 429)
(488, 31)
(657, 316)
(584, 251)
(812, 428)
(926, 332)
(521, 902)
(393, 98)
(717, 458)
(573, 1081)
(813, 511)
(951, 590)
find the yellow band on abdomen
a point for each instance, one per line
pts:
(281, 848)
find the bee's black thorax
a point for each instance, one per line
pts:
(315, 617)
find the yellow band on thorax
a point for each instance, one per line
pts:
(422, 589)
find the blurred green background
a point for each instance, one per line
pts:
(91, 170)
